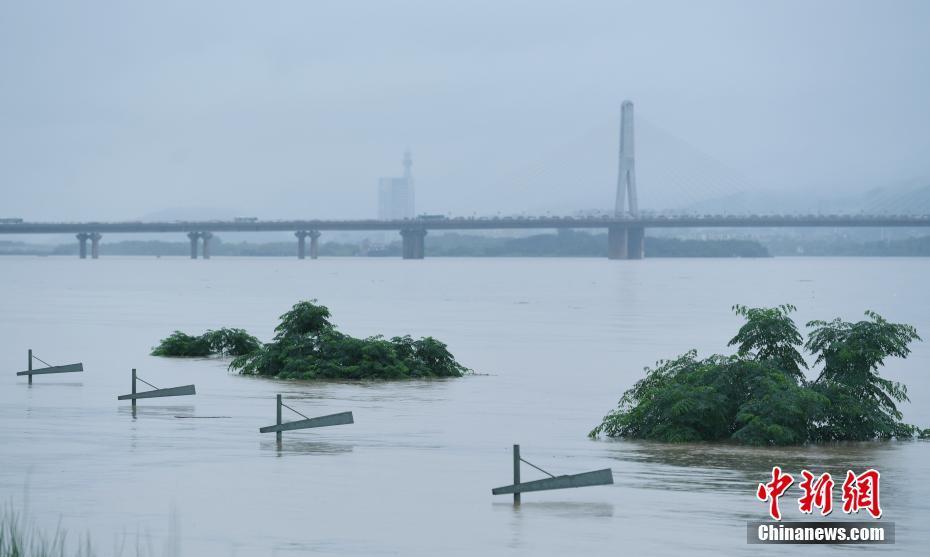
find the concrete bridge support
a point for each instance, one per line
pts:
(413, 243)
(301, 243)
(314, 244)
(617, 242)
(194, 237)
(95, 245)
(82, 244)
(636, 242)
(626, 242)
(206, 243)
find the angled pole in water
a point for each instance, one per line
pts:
(30, 370)
(596, 477)
(155, 392)
(281, 426)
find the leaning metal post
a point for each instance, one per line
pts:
(516, 473)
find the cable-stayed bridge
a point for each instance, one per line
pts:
(625, 225)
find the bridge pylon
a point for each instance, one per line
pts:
(626, 242)
(626, 170)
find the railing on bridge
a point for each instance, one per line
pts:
(625, 233)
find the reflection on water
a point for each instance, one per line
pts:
(176, 410)
(725, 467)
(560, 509)
(554, 344)
(296, 447)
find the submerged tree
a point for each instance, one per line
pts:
(307, 345)
(225, 342)
(760, 396)
(770, 334)
(863, 404)
(180, 344)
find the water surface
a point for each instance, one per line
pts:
(554, 341)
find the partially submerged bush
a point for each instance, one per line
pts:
(232, 342)
(307, 345)
(183, 345)
(760, 395)
(224, 342)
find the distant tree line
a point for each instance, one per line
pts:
(565, 243)
(918, 246)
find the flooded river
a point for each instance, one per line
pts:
(553, 342)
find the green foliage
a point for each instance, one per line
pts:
(770, 334)
(865, 404)
(231, 342)
(225, 342)
(760, 396)
(307, 345)
(305, 318)
(183, 345)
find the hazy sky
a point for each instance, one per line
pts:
(119, 110)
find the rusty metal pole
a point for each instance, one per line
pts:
(516, 473)
(30, 366)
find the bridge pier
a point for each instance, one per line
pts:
(95, 245)
(636, 242)
(194, 236)
(82, 244)
(206, 243)
(314, 244)
(617, 242)
(413, 243)
(301, 242)
(626, 242)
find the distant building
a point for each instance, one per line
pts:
(395, 195)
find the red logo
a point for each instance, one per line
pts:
(773, 490)
(817, 493)
(859, 492)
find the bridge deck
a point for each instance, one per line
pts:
(751, 221)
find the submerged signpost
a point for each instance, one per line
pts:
(69, 368)
(597, 477)
(341, 418)
(171, 391)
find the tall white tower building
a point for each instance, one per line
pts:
(396, 195)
